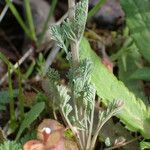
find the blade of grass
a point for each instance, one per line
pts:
(18, 17)
(21, 95)
(14, 67)
(96, 8)
(11, 102)
(29, 71)
(51, 11)
(5, 60)
(13, 123)
(30, 19)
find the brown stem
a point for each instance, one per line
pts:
(123, 144)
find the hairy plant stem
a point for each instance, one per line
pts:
(73, 44)
(75, 52)
(81, 139)
(91, 126)
(71, 5)
(99, 127)
(72, 128)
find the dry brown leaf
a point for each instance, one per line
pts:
(53, 125)
(34, 145)
(50, 137)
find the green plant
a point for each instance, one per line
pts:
(11, 102)
(13, 122)
(129, 60)
(137, 19)
(96, 8)
(29, 27)
(4, 98)
(135, 114)
(144, 145)
(29, 31)
(28, 136)
(76, 102)
(21, 95)
(45, 27)
(40, 64)
(141, 74)
(10, 145)
(30, 117)
(72, 29)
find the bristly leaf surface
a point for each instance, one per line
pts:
(135, 114)
(138, 20)
(71, 29)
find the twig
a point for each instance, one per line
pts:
(62, 19)
(21, 60)
(51, 57)
(123, 144)
(4, 12)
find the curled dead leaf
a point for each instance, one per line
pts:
(50, 124)
(50, 136)
(34, 145)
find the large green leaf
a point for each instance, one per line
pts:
(135, 115)
(138, 20)
(145, 145)
(30, 117)
(132, 58)
(141, 74)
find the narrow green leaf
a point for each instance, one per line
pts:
(138, 20)
(145, 145)
(141, 74)
(30, 19)
(21, 95)
(5, 60)
(133, 57)
(18, 17)
(30, 117)
(135, 115)
(29, 71)
(11, 98)
(96, 8)
(50, 13)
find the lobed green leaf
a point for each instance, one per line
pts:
(138, 20)
(141, 74)
(135, 114)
